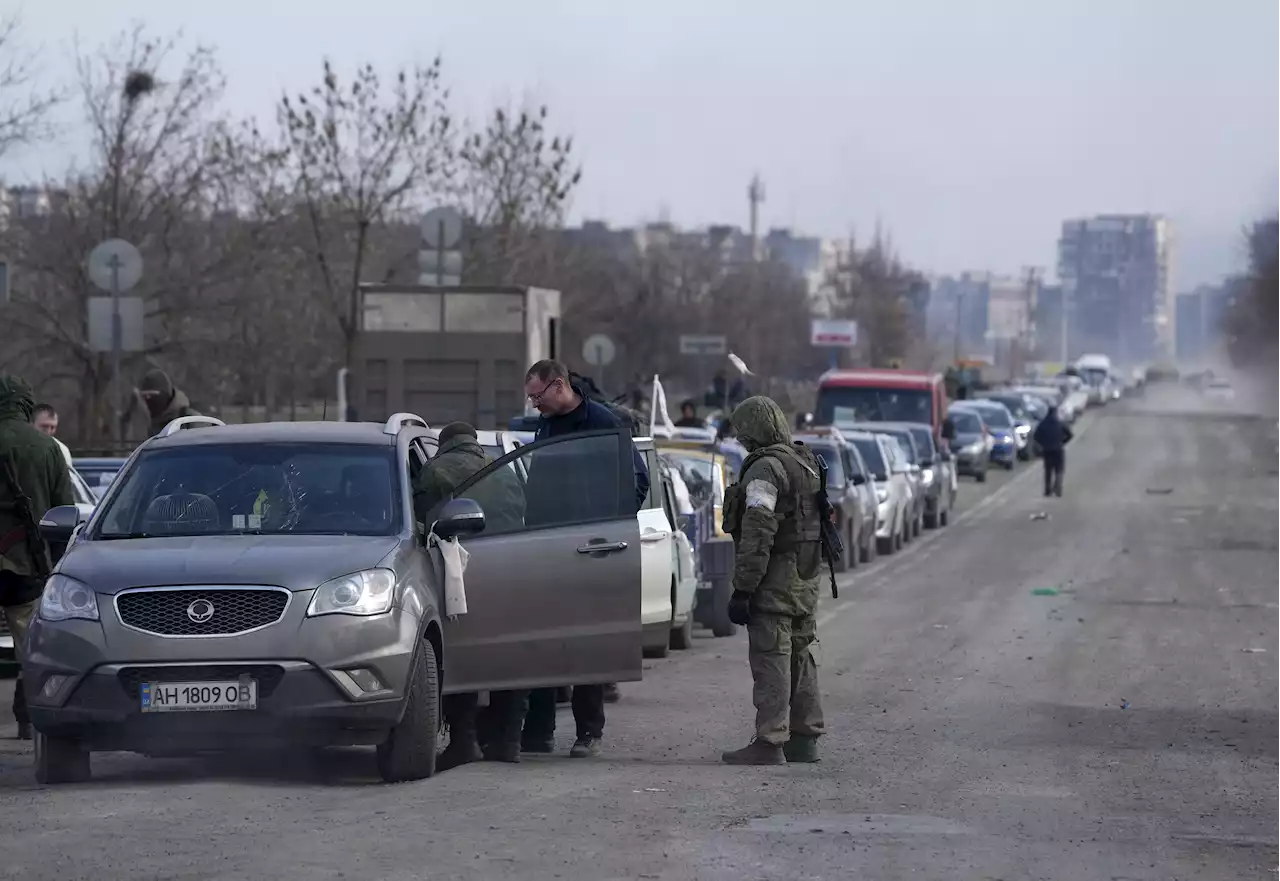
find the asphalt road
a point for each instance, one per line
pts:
(1123, 728)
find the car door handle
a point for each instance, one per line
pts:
(651, 535)
(602, 547)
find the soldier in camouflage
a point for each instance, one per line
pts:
(771, 512)
(493, 734)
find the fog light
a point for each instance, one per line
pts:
(52, 685)
(366, 679)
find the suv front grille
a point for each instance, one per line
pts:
(268, 675)
(202, 611)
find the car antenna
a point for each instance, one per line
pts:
(324, 415)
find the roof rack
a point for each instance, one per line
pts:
(400, 420)
(188, 422)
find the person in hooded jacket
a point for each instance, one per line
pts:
(1052, 435)
(45, 479)
(493, 734)
(164, 402)
(772, 515)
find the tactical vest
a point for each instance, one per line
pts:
(797, 506)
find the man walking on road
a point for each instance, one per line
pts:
(567, 409)
(34, 477)
(460, 456)
(1053, 435)
(772, 514)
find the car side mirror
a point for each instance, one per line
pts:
(58, 523)
(459, 517)
(859, 479)
(914, 469)
(926, 463)
(682, 522)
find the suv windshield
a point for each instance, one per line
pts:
(924, 441)
(871, 457)
(272, 488)
(966, 421)
(830, 455)
(996, 417)
(837, 405)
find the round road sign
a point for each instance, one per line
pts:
(598, 350)
(115, 265)
(441, 227)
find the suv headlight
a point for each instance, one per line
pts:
(65, 598)
(926, 476)
(370, 592)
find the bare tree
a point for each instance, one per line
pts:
(150, 178)
(359, 154)
(514, 179)
(1252, 324)
(24, 109)
(884, 296)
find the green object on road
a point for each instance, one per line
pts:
(1045, 592)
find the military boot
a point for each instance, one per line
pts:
(462, 750)
(802, 748)
(757, 752)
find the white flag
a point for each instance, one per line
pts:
(658, 405)
(740, 364)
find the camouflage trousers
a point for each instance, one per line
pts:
(781, 652)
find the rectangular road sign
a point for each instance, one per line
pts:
(834, 333)
(132, 313)
(703, 344)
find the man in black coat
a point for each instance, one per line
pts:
(1053, 435)
(554, 487)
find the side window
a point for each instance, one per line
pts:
(653, 500)
(847, 461)
(571, 480)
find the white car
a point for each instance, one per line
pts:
(668, 573)
(889, 471)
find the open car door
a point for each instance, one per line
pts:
(553, 582)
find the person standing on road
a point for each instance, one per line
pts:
(772, 515)
(34, 477)
(460, 457)
(1053, 435)
(567, 409)
(45, 419)
(164, 402)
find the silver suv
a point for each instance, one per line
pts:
(266, 585)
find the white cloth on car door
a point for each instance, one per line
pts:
(455, 558)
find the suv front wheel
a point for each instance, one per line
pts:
(409, 752)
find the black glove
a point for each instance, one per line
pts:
(740, 608)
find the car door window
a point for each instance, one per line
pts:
(653, 499)
(558, 482)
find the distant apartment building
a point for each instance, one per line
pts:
(981, 315)
(1199, 320)
(813, 260)
(1115, 275)
(21, 203)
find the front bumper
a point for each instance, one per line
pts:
(78, 686)
(1004, 452)
(970, 465)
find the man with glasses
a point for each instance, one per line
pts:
(567, 409)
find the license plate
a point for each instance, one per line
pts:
(189, 697)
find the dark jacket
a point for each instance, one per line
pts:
(167, 405)
(590, 416)
(42, 475)
(1052, 434)
(460, 457)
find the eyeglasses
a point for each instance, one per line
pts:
(535, 398)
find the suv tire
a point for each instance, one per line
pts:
(409, 752)
(60, 760)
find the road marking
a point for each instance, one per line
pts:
(890, 567)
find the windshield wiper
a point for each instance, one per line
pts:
(108, 536)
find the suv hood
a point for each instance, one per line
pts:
(296, 562)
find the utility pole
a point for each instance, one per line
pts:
(755, 195)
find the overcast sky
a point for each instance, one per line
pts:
(971, 129)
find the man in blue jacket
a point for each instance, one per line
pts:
(567, 408)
